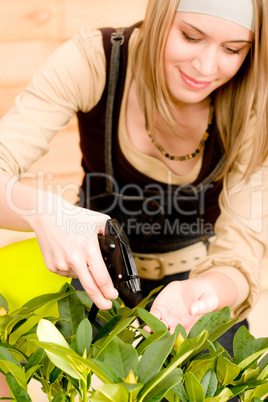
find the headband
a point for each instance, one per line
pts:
(239, 11)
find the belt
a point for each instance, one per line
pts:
(156, 266)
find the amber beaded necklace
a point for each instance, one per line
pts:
(188, 156)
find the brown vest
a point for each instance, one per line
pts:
(157, 217)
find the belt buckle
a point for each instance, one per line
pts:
(150, 272)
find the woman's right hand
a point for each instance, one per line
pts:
(68, 239)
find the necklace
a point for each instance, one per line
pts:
(188, 156)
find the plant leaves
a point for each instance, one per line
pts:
(184, 351)
(263, 365)
(19, 393)
(98, 367)
(151, 339)
(193, 388)
(5, 354)
(242, 338)
(118, 328)
(3, 302)
(41, 301)
(154, 323)
(180, 329)
(209, 321)
(226, 370)
(209, 383)
(107, 328)
(111, 393)
(46, 333)
(200, 366)
(8, 367)
(60, 397)
(179, 391)
(72, 310)
(120, 358)
(154, 357)
(251, 352)
(84, 337)
(164, 386)
(35, 358)
(258, 392)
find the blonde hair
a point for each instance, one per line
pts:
(245, 95)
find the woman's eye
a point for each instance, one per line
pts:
(190, 38)
(233, 51)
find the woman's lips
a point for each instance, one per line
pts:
(192, 83)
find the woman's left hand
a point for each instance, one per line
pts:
(184, 302)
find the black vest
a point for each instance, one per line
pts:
(157, 217)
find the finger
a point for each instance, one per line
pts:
(100, 274)
(161, 315)
(204, 305)
(94, 292)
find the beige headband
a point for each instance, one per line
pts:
(239, 11)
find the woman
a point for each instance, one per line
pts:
(191, 110)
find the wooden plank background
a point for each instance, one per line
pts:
(29, 31)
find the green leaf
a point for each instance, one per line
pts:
(111, 393)
(209, 321)
(120, 358)
(41, 301)
(257, 345)
(107, 328)
(72, 310)
(84, 337)
(63, 358)
(29, 374)
(19, 392)
(200, 366)
(13, 349)
(54, 375)
(98, 367)
(184, 351)
(154, 357)
(193, 388)
(180, 329)
(154, 323)
(179, 391)
(3, 302)
(242, 338)
(250, 374)
(5, 354)
(46, 333)
(119, 328)
(263, 365)
(60, 397)
(133, 389)
(209, 383)
(223, 396)
(164, 386)
(8, 367)
(85, 299)
(258, 392)
(35, 358)
(151, 339)
(226, 370)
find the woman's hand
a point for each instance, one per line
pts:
(184, 302)
(68, 239)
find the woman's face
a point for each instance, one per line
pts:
(202, 53)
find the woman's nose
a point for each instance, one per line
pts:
(205, 62)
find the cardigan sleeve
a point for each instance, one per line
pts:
(241, 230)
(72, 79)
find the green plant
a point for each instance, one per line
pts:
(63, 352)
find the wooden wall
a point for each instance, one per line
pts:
(29, 31)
